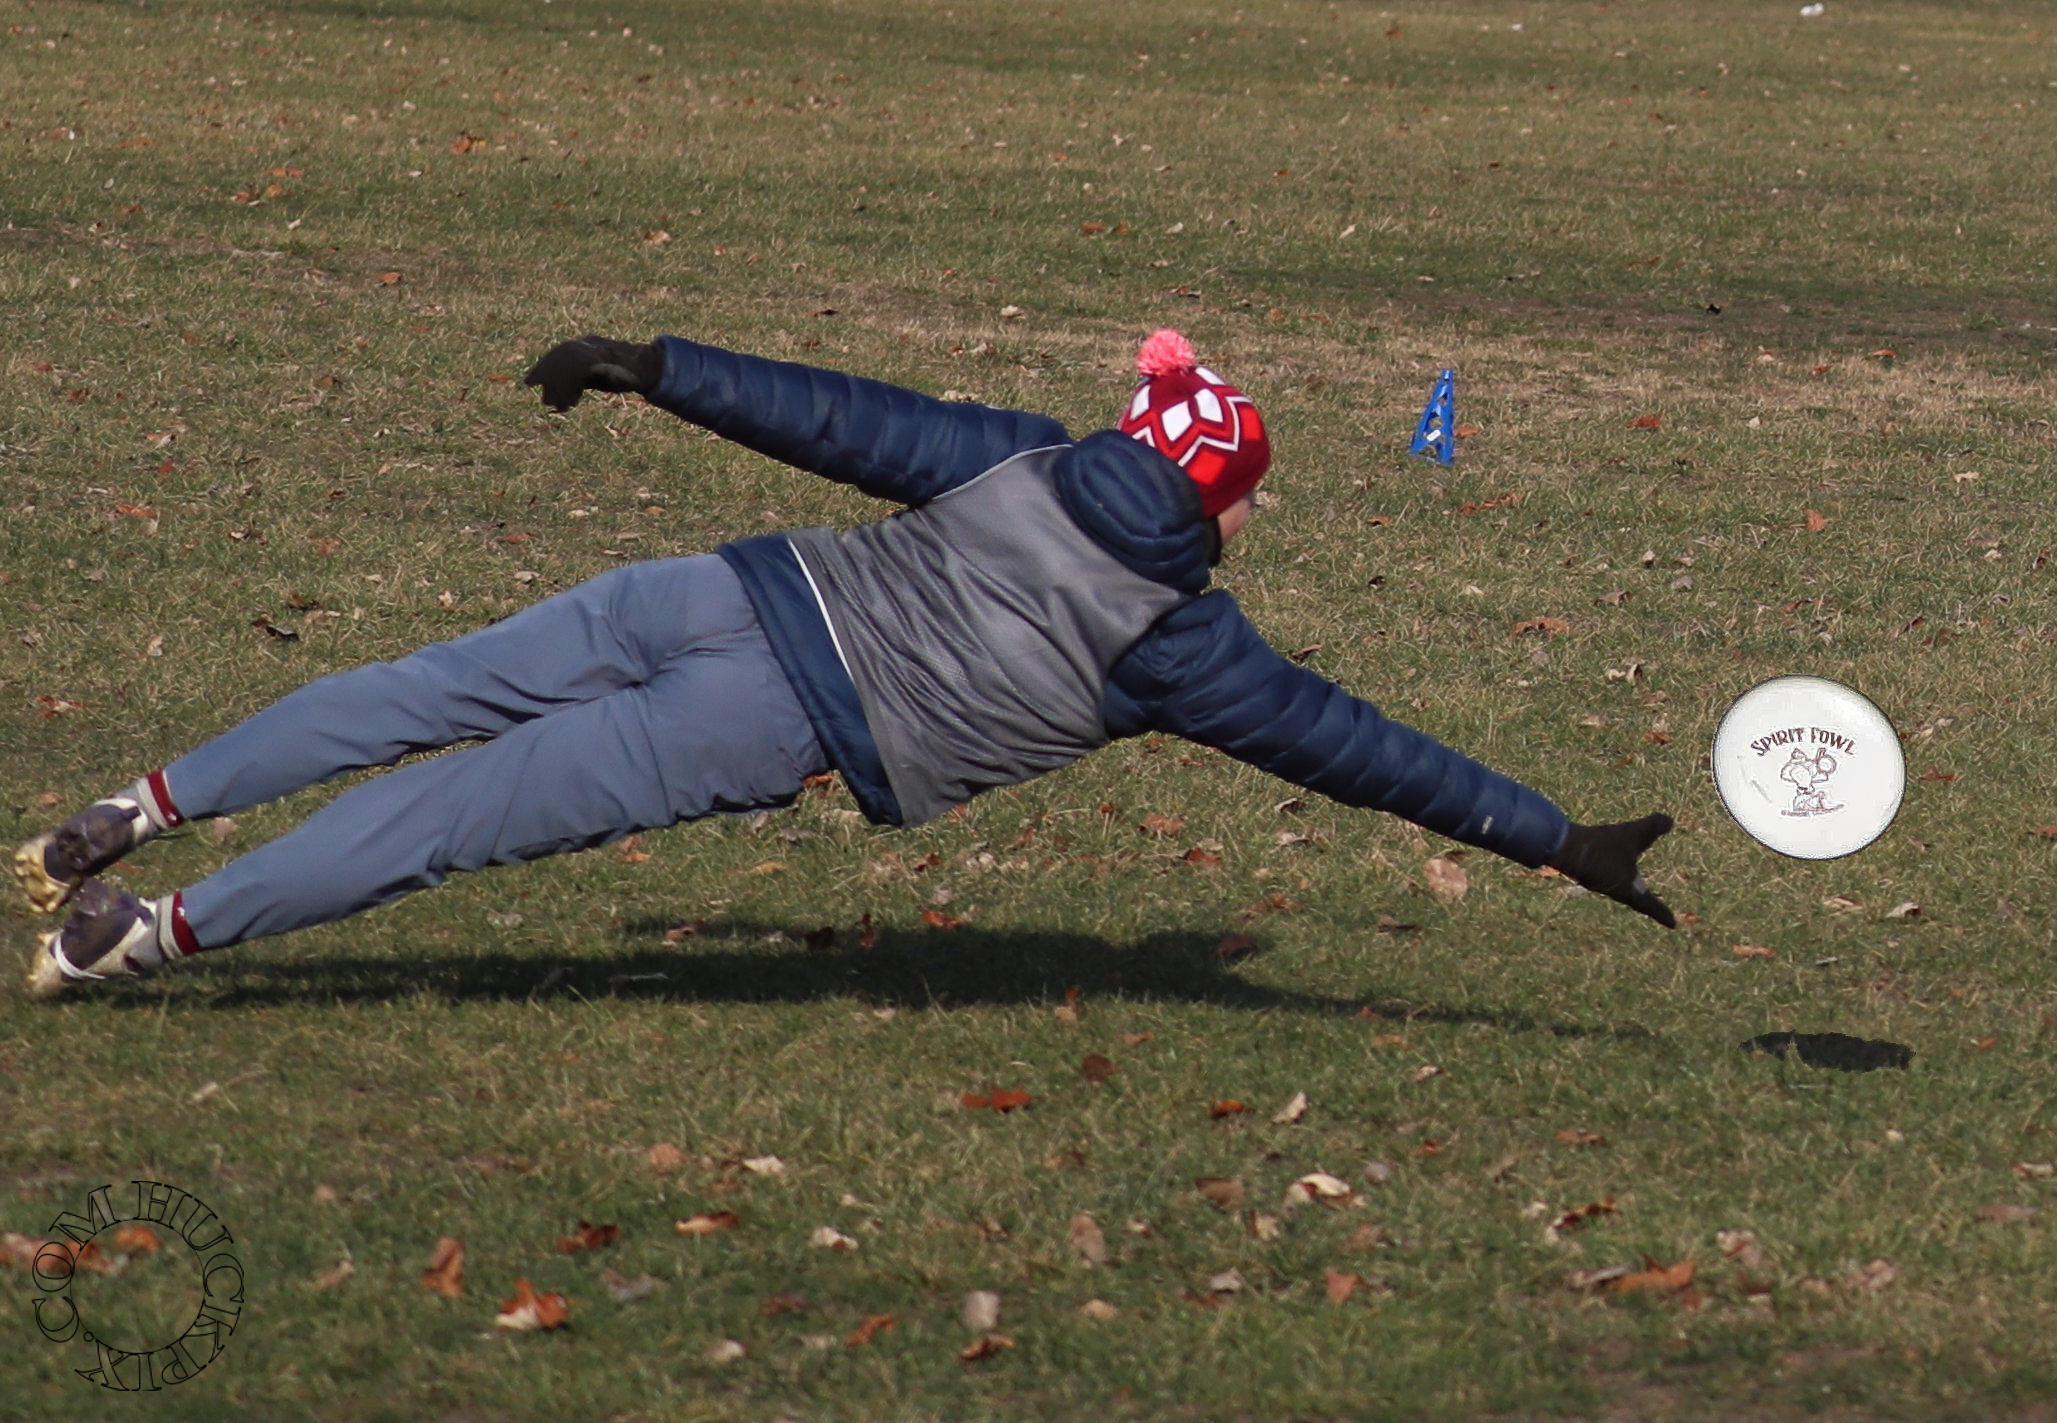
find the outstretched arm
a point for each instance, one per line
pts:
(1203, 672)
(889, 442)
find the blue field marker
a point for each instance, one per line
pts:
(1436, 435)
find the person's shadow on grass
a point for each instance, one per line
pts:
(749, 962)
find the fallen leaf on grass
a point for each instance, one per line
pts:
(1466, 432)
(1985, 1044)
(1842, 904)
(1137, 1039)
(981, 1310)
(334, 1275)
(985, 1347)
(1098, 1310)
(1579, 1215)
(631, 851)
(873, 1326)
(768, 867)
(445, 1274)
(1233, 946)
(1654, 1278)
(1224, 1193)
(1161, 826)
(2005, 1214)
(1266, 1228)
(1000, 1099)
(1579, 1136)
(1596, 1279)
(1647, 422)
(1445, 878)
(588, 1237)
(1319, 1186)
(724, 1351)
(1942, 777)
(59, 706)
(764, 1166)
(1753, 951)
(664, 1157)
(528, 1311)
(937, 919)
(1084, 1236)
(1424, 1072)
(1338, 1285)
(1874, 1277)
(1740, 1246)
(1294, 1109)
(626, 1290)
(2034, 1170)
(827, 1237)
(1549, 627)
(133, 1239)
(1816, 521)
(1227, 1282)
(1097, 1068)
(1227, 1107)
(1905, 909)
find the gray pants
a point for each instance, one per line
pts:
(642, 698)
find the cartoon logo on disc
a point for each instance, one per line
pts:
(1809, 775)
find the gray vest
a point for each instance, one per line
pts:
(979, 630)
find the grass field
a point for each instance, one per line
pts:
(271, 276)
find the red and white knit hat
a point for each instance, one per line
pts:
(1197, 420)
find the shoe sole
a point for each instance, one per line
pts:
(45, 895)
(45, 980)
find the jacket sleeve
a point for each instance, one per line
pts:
(1204, 673)
(889, 442)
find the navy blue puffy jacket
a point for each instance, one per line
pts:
(1202, 672)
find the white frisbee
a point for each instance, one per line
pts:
(1808, 767)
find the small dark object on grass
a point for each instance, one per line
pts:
(1837, 1050)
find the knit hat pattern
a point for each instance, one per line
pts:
(1197, 420)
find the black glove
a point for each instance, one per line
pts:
(1603, 859)
(571, 368)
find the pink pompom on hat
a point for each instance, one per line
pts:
(1197, 420)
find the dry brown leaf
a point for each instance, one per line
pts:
(133, 1239)
(724, 1351)
(1647, 422)
(1905, 909)
(1740, 1246)
(588, 1237)
(1654, 1278)
(1549, 627)
(707, 1223)
(2005, 1214)
(1137, 1039)
(1874, 1277)
(1290, 1114)
(1339, 1286)
(764, 1166)
(1000, 1099)
(1227, 1107)
(1752, 951)
(1162, 826)
(664, 1157)
(1098, 1310)
(1223, 1192)
(631, 852)
(938, 919)
(19, 1251)
(1816, 521)
(1097, 1067)
(335, 1275)
(827, 1237)
(1445, 878)
(1266, 1228)
(1579, 1136)
(1579, 1215)
(981, 1310)
(445, 1274)
(528, 1310)
(985, 1347)
(873, 1326)
(2034, 1170)
(1985, 1044)
(1084, 1236)
(1319, 1186)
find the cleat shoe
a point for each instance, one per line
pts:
(52, 866)
(108, 934)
